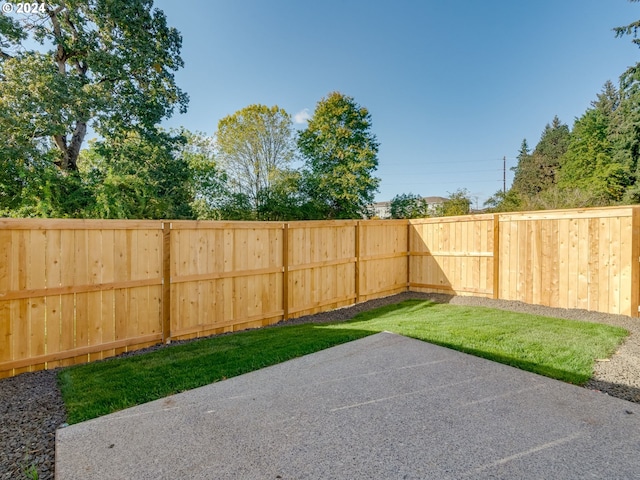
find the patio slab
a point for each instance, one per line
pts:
(385, 406)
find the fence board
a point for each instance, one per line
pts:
(382, 258)
(322, 266)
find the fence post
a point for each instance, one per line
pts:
(408, 255)
(496, 256)
(635, 261)
(166, 282)
(357, 252)
(285, 271)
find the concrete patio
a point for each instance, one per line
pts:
(385, 406)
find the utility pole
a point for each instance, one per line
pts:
(504, 174)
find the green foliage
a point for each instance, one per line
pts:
(564, 197)
(207, 185)
(588, 163)
(595, 164)
(509, 201)
(341, 155)
(237, 206)
(136, 177)
(537, 171)
(458, 203)
(103, 64)
(30, 471)
(255, 144)
(408, 205)
(285, 199)
(110, 63)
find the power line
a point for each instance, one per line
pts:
(414, 173)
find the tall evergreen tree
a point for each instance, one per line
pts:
(536, 172)
(626, 136)
(588, 163)
(524, 171)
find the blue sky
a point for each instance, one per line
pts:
(452, 87)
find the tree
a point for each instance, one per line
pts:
(131, 177)
(105, 64)
(208, 188)
(408, 205)
(588, 163)
(626, 135)
(458, 203)
(340, 155)
(524, 171)
(285, 199)
(501, 201)
(255, 144)
(537, 171)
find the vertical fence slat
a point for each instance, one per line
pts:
(496, 256)
(358, 232)
(635, 262)
(166, 282)
(285, 271)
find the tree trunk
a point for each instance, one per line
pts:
(71, 152)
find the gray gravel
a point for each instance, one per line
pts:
(31, 407)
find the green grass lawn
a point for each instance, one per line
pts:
(561, 349)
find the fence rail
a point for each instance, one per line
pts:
(73, 291)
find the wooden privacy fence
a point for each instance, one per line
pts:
(73, 291)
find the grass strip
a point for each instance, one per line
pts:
(561, 349)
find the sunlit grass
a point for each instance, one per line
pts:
(561, 349)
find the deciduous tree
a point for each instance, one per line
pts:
(458, 203)
(255, 145)
(408, 205)
(341, 155)
(105, 64)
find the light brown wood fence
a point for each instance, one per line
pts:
(586, 259)
(73, 291)
(453, 255)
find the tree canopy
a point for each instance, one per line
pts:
(341, 155)
(107, 67)
(255, 145)
(108, 64)
(408, 205)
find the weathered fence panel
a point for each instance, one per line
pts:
(74, 291)
(453, 255)
(570, 259)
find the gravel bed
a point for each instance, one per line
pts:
(31, 407)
